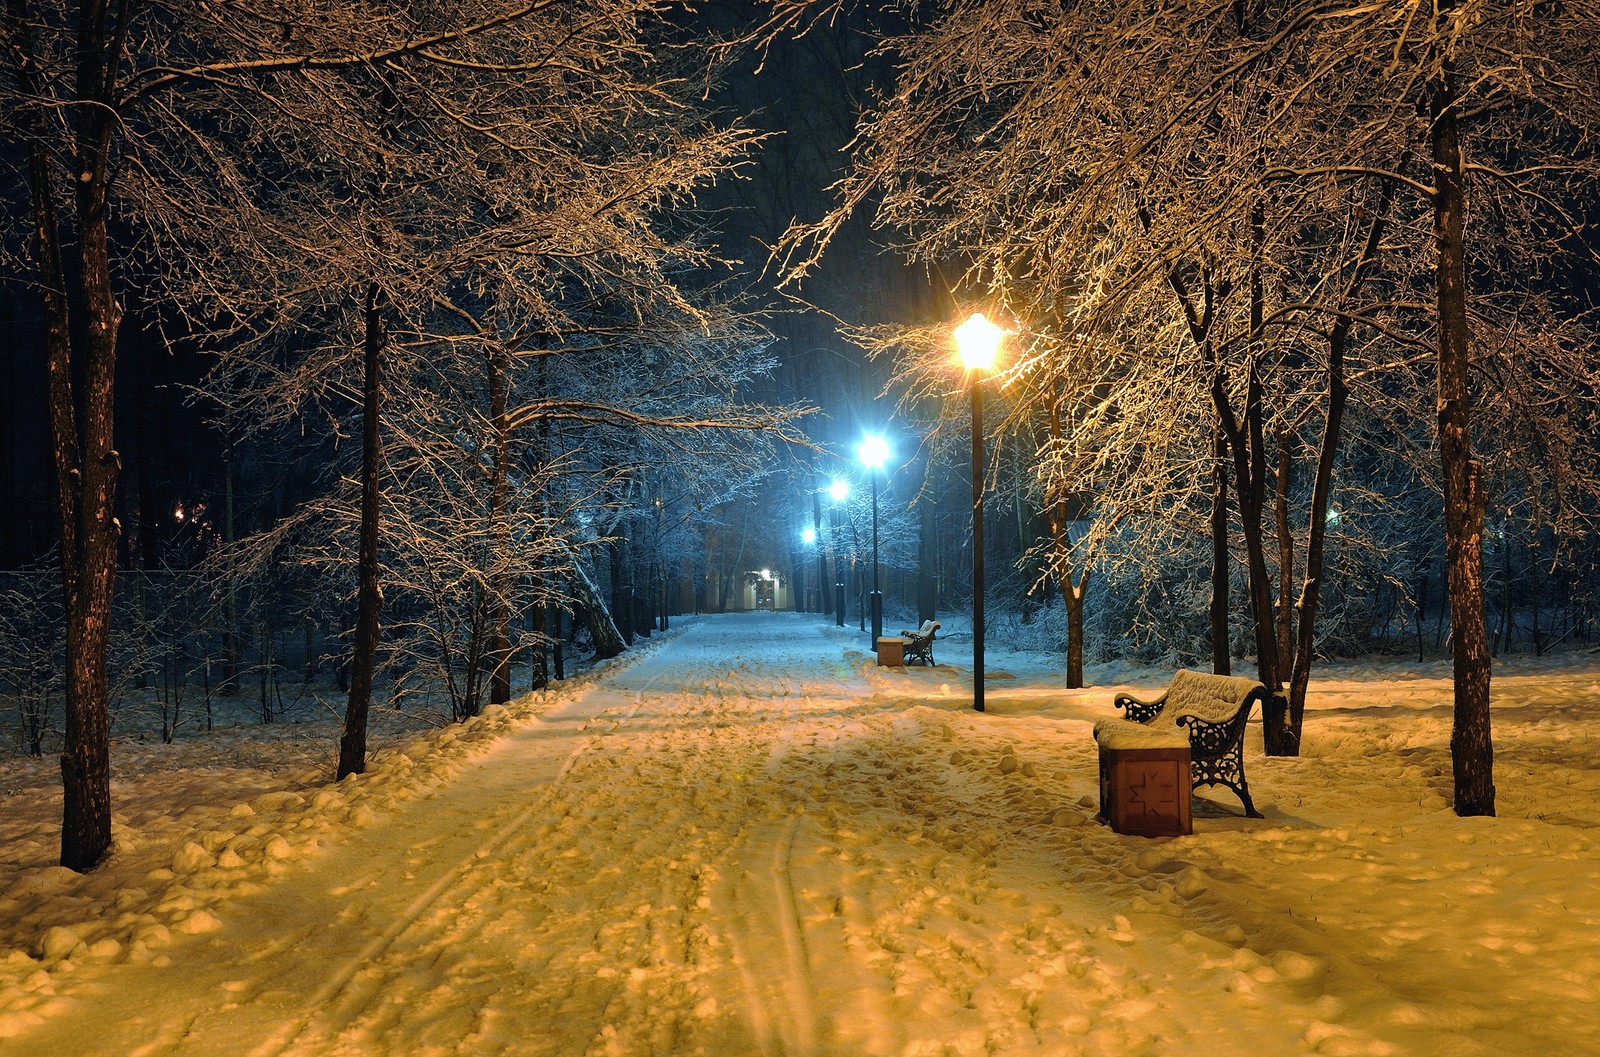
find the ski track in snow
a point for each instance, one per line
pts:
(751, 841)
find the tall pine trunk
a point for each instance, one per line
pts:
(1471, 745)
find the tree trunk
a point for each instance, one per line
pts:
(552, 627)
(592, 611)
(1221, 573)
(1019, 505)
(1471, 744)
(798, 561)
(1535, 585)
(230, 626)
(1249, 471)
(499, 645)
(640, 593)
(1269, 663)
(1422, 608)
(1072, 590)
(730, 570)
(369, 595)
(1285, 621)
(539, 669)
(81, 422)
(311, 649)
(621, 596)
(1322, 484)
(540, 589)
(1311, 593)
(1507, 629)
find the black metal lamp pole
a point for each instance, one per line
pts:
(877, 595)
(977, 541)
(978, 344)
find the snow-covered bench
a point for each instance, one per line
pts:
(919, 643)
(1209, 711)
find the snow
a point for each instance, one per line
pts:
(746, 838)
(1112, 733)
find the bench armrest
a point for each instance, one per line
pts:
(1210, 738)
(1139, 710)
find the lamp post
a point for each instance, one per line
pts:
(978, 343)
(873, 453)
(840, 491)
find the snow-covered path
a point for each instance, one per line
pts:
(750, 841)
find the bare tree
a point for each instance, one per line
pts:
(226, 145)
(1119, 155)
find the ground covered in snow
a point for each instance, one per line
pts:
(746, 839)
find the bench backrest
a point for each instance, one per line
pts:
(927, 629)
(1214, 698)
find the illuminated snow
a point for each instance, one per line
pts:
(747, 839)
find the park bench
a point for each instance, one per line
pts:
(1207, 711)
(919, 643)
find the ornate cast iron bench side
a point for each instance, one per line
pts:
(919, 643)
(1213, 710)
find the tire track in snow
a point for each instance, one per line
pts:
(780, 1005)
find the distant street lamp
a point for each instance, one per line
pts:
(873, 453)
(978, 342)
(840, 491)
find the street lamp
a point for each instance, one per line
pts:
(873, 453)
(978, 342)
(840, 491)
